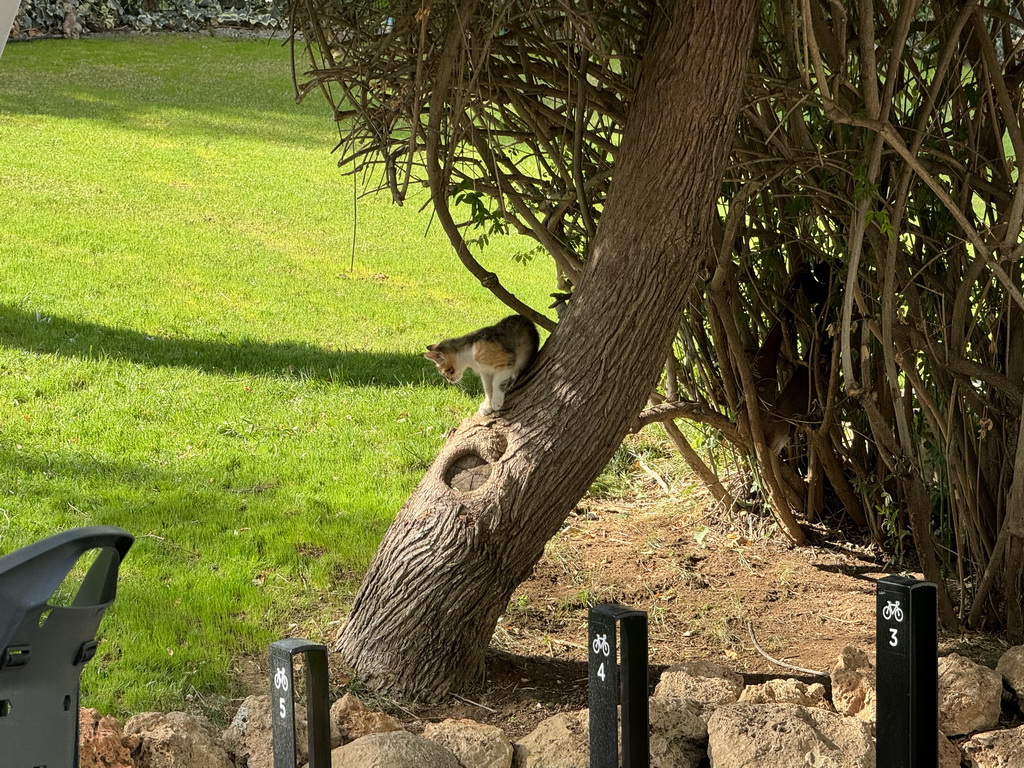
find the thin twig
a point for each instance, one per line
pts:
(773, 660)
(474, 703)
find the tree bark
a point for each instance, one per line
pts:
(502, 486)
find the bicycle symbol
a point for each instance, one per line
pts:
(281, 679)
(892, 610)
(601, 645)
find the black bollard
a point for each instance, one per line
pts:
(907, 674)
(618, 677)
(282, 703)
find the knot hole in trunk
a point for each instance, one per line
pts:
(470, 468)
(467, 473)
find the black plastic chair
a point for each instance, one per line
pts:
(43, 647)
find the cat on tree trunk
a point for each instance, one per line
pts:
(498, 353)
(450, 561)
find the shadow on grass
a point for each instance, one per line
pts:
(225, 87)
(44, 334)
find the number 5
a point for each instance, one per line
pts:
(281, 707)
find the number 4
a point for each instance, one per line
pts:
(600, 672)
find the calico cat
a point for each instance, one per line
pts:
(499, 353)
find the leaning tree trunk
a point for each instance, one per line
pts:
(478, 522)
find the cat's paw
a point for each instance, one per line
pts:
(485, 409)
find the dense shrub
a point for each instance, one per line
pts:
(73, 17)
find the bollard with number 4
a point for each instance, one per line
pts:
(618, 676)
(906, 671)
(282, 703)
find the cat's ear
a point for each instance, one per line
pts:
(431, 354)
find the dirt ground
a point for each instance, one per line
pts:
(708, 591)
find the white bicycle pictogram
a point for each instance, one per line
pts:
(281, 679)
(892, 610)
(601, 645)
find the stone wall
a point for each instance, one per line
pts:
(699, 712)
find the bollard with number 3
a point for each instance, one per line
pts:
(282, 698)
(906, 671)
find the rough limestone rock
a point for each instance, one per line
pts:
(101, 742)
(475, 745)
(561, 741)
(350, 720)
(1011, 667)
(949, 753)
(249, 740)
(969, 696)
(759, 735)
(788, 691)
(175, 740)
(996, 749)
(679, 733)
(701, 681)
(395, 749)
(853, 685)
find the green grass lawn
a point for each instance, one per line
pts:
(186, 351)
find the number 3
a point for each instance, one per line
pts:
(893, 641)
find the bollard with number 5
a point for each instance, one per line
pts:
(282, 692)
